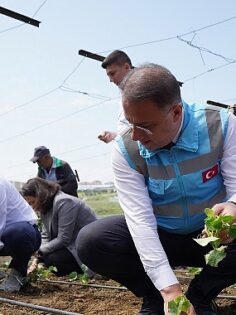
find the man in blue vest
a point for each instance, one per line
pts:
(177, 160)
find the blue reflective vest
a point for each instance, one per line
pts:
(185, 179)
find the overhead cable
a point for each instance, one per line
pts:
(53, 121)
(229, 60)
(172, 37)
(44, 94)
(98, 96)
(209, 70)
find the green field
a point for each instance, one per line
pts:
(103, 203)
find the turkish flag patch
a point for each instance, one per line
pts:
(209, 174)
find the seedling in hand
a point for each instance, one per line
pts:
(179, 305)
(215, 225)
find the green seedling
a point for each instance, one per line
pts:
(214, 226)
(179, 305)
(192, 271)
(83, 278)
(6, 264)
(41, 273)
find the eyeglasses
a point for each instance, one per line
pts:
(142, 129)
(148, 131)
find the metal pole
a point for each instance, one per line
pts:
(20, 17)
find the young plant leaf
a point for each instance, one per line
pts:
(194, 270)
(227, 218)
(73, 276)
(178, 305)
(215, 256)
(206, 240)
(84, 278)
(215, 225)
(42, 273)
(232, 231)
(209, 212)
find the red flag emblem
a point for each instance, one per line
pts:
(209, 174)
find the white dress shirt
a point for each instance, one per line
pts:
(137, 206)
(13, 207)
(123, 123)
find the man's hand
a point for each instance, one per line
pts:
(225, 208)
(107, 136)
(170, 293)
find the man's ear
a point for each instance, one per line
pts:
(177, 112)
(127, 66)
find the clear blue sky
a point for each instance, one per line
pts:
(35, 61)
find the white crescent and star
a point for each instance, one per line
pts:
(210, 174)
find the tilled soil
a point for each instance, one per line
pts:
(87, 300)
(73, 297)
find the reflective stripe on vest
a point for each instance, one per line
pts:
(139, 162)
(177, 210)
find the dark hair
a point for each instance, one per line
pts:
(117, 57)
(44, 190)
(151, 82)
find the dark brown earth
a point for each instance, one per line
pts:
(89, 300)
(73, 298)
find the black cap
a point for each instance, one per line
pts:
(39, 152)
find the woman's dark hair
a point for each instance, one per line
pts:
(44, 190)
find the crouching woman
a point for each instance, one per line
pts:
(19, 235)
(62, 218)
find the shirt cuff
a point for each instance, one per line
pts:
(162, 277)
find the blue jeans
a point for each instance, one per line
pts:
(21, 240)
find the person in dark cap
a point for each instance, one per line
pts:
(56, 170)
